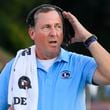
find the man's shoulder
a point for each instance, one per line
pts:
(10, 62)
(8, 66)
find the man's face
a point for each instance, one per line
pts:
(47, 34)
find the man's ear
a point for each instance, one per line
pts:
(31, 33)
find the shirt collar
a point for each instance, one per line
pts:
(63, 56)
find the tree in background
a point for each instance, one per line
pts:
(13, 31)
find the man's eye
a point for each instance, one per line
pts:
(46, 28)
(58, 27)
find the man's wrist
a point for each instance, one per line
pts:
(90, 40)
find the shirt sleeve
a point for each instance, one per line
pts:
(4, 80)
(89, 69)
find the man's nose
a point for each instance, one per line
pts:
(53, 31)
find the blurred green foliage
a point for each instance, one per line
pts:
(13, 31)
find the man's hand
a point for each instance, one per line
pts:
(81, 34)
(10, 108)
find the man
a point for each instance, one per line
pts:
(47, 77)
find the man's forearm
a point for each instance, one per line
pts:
(102, 58)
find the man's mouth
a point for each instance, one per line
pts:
(53, 43)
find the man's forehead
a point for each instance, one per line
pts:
(50, 14)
